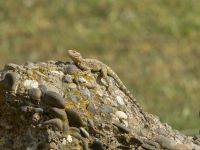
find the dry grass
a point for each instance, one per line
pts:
(152, 44)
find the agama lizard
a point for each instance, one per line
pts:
(96, 65)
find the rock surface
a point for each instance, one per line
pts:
(55, 105)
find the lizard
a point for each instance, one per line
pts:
(95, 66)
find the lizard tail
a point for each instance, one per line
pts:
(125, 90)
(122, 86)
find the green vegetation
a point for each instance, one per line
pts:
(152, 44)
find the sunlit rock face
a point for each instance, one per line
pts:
(56, 105)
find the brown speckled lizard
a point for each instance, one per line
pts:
(95, 65)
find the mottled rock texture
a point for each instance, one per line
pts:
(55, 105)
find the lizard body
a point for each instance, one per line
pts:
(96, 65)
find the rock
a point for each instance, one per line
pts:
(72, 86)
(58, 113)
(84, 132)
(67, 78)
(30, 84)
(10, 80)
(53, 99)
(106, 109)
(71, 69)
(44, 113)
(74, 118)
(121, 115)
(97, 145)
(91, 108)
(35, 93)
(119, 100)
(86, 93)
(121, 127)
(81, 80)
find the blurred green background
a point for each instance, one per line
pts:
(153, 45)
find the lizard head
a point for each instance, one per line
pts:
(74, 55)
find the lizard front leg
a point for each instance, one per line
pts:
(85, 68)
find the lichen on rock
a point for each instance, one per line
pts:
(55, 105)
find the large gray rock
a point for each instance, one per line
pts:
(40, 109)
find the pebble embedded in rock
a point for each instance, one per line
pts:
(67, 78)
(10, 80)
(121, 115)
(35, 93)
(120, 100)
(97, 145)
(84, 132)
(71, 69)
(107, 109)
(91, 108)
(85, 92)
(58, 113)
(43, 88)
(121, 127)
(55, 122)
(72, 86)
(29, 84)
(81, 80)
(74, 118)
(53, 99)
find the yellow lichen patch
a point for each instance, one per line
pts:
(88, 77)
(84, 102)
(70, 104)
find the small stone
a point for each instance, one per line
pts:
(29, 72)
(36, 117)
(58, 113)
(38, 110)
(64, 141)
(97, 145)
(29, 84)
(125, 123)
(121, 127)
(121, 115)
(69, 138)
(74, 118)
(91, 108)
(107, 109)
(55, 122)
(35, 93)
(81, 80)
(43, 88)
(84, 132)
(71, 69)
(52, 146)
(72, 86)
(10, 80)
(86, 93)
(67, 78)
(53, 99)
(120, 100)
